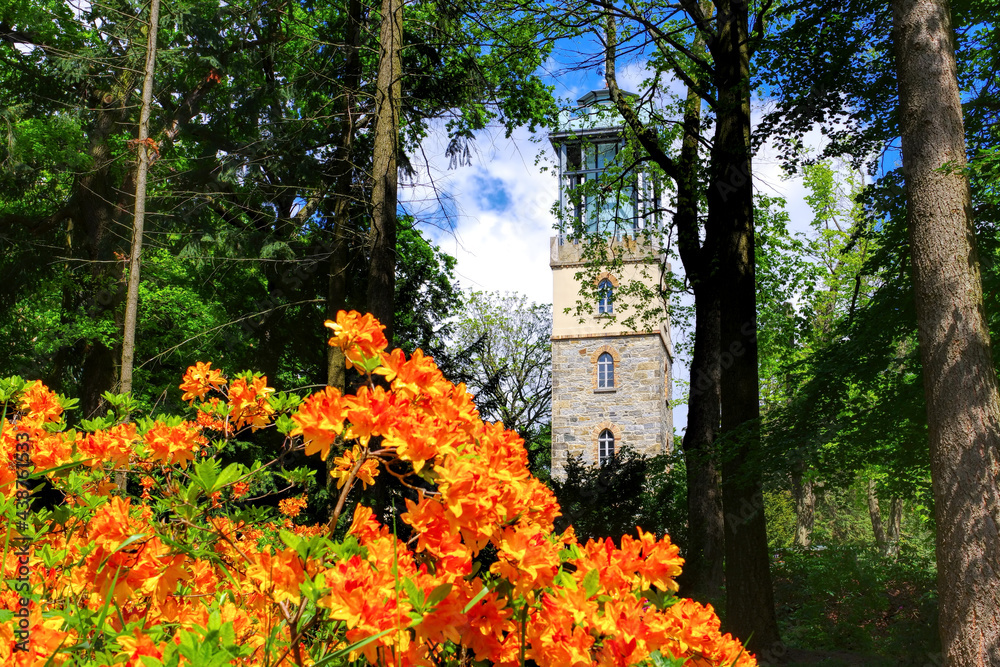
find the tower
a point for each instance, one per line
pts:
(610, 383)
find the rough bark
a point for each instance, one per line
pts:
(703, 574)
(382, 272)
(95, 211)
(138, 221)
(336, 298)
(960, 384)
(895, 525)
(706, 526)
(805, 505)
(749, 595)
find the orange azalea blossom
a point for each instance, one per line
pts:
(366, 472)
(113, 446)
(248, 403)
(278, 575)
(359, 336)
(39, 405)
(292, 506)
(173, 444)
(199, 380)
(320, 421)
(159, 575)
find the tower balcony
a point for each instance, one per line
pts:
(565, 249)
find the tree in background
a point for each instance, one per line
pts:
(627, 491)
(260, 186)
(505, 342)
(719, 76)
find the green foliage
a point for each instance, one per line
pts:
(849, 597)
(629, 490)
(779, 508)
(503, 341)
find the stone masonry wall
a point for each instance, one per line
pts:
(636, 410)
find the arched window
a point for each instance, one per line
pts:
(605, 446)
(605, 303)
(605, 371)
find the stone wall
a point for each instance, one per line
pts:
(636, 410)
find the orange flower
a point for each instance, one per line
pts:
(200, 379)
(320, 421)
(345, 463)
(41, 405)
(173, 444)
(111, 446)
(240, 489)
(278, 575)
(291, 507)
(359, 336)
(248, 403)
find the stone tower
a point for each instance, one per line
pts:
(610, 384)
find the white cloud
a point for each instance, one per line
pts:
(499, 212)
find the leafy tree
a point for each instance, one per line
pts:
(504, 340)
(259, 183)
(719, 78)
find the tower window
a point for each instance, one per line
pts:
(605, 371)
(605, 446)
(605, 303)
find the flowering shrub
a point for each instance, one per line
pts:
(183, 577)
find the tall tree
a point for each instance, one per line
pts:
(388, 89)
(506, 339)
(139, 214)
(960, 382)
(749, 594)
(721, 79)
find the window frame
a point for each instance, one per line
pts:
(605, 453)
(605, 371)
(606, 298)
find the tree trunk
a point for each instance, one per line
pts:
(895, 525)
(749, 596)
(382, 272)
(139, 216)
(703, 571)
(138, 223)
(336, 297)
(706, 525)
(875, 512)
(960, 384)
(805, 505)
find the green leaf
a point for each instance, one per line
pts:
(438, 594)
(592, 583)
(361, 643)
(566, 580)
(285, 424)
(479, 596)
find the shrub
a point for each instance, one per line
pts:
(185, 575)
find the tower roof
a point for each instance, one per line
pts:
(595, 114)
